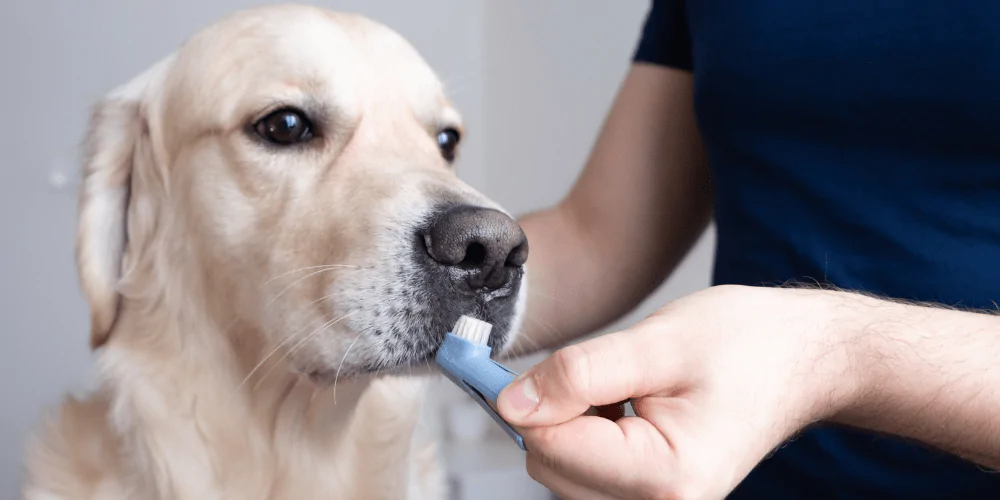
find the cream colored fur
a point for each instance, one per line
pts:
(219, 344)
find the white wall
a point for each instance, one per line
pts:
(533, 80)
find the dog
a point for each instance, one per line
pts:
(271, 238)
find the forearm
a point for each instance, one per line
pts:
(639, 205)
(929, 374)
(574, 287)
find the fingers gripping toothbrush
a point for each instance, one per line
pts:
(464, 357)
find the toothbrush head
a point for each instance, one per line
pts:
(472, 329)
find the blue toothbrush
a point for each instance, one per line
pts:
(464, 357)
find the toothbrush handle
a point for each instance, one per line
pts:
(469, 366)
(489, 388)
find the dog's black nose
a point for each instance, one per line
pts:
(486, 244)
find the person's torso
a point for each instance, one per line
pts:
(855, 143)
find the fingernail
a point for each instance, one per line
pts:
(522, 396)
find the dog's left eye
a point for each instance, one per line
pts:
(285, 127)
(448, 142)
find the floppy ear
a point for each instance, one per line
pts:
(111, 143)
(116, 146)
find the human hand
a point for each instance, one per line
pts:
(717, 379)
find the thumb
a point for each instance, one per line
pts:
(601, 371)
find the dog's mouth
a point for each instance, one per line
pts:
(412, 346)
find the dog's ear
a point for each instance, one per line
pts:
(117, 145)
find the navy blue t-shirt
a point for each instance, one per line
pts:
(854, 142)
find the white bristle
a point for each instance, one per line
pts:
(472, 329)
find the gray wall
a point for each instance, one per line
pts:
(552, 70)
(533, 80)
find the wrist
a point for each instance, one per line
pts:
(921, 371)
(845, 366)
(891, 354)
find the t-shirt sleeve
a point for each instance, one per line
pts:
(665, 38)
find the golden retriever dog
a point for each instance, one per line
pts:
(271, 239)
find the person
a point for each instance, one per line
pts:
(849, 143)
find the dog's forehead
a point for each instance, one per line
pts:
(261, 55)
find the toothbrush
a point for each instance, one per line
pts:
(464, 357)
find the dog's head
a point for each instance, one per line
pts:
(290, 169)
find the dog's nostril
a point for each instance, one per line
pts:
(475, 256)
(484, 242)
(518, 256)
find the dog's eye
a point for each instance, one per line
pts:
(448, 142)
(285, 127)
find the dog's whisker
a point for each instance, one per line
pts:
(528, 339)
(257, 367)
(283, 342)
(521, 350)
(299, 310)
(421, 425)
(312, 398)
(225, 330)
(264, 377)
(292, 350)
(325, 266)
(548, 297)
(289, 354)
(317, 332)
(342, 360)
(268, 356)
(545, 328)
(325, 297)
(289, 287)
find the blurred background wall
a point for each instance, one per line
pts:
(533, 80)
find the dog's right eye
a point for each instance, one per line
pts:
(284, 127)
